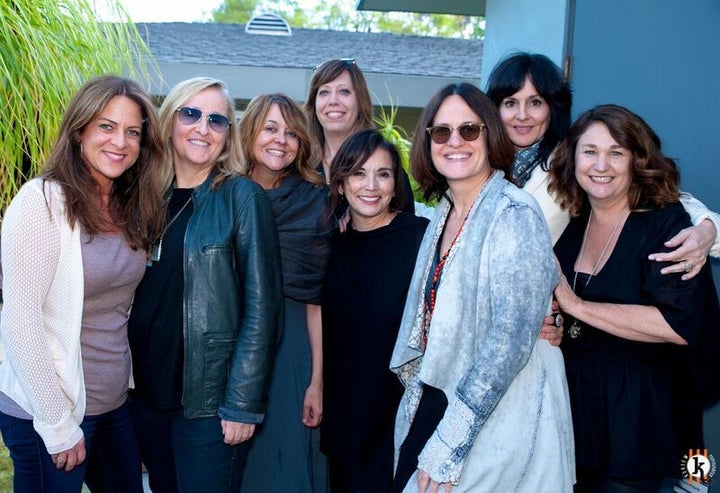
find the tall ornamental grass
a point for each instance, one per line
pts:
(48, 49)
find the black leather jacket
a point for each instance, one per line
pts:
(233, 301)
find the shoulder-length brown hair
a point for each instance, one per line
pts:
(501, 152)
(136, 205)
(325, 73)
(655, 179)
(254, 120)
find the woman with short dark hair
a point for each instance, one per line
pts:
(485, 405)
(363, 298)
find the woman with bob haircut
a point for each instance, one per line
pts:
(207, 313)
(74, 247)
(485, 406)
(634, 332)
(285, 455)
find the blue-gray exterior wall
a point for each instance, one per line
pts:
(538, 26)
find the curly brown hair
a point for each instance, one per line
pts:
(655, 179)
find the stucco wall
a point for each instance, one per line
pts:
(523, 25)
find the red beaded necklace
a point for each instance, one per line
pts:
(429, 307)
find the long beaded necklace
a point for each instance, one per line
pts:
(429, 306)
(576, 329)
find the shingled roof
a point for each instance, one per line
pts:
(401, 70)
(229, 44)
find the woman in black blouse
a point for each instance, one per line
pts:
(632, 332)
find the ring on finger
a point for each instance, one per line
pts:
(688, 266)
(60, 460)
(558, 319)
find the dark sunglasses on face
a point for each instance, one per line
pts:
(469, 132)
(190, 116)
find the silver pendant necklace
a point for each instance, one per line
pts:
(156, 249)
(576, 328)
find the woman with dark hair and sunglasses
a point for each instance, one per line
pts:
(368, 276)
(534, 102)
(207, 314)
(485, 406)
(285, 455)
(74, 247)
(338, 105)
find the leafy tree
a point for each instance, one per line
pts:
(234, 11)
(49, 49)
(341, 15)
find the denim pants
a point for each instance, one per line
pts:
(186, 455)
(112, 463)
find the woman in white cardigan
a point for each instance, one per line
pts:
(73, 250)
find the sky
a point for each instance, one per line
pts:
(176, 10)
(170, 10)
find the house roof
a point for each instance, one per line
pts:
(411, 68)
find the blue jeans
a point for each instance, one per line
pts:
(112, 464)
(186, 455)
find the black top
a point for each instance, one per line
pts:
(632, 413)
(155, 327)
(304, 229)
(365, 290)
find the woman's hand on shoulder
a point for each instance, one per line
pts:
(691, 248)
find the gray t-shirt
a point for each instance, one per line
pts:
(112, 271)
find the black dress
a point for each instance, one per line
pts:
(284, 453)
(365, 290)
(634, 412)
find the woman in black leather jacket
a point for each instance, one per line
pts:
(206, 316)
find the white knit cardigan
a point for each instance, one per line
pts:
(41, 365)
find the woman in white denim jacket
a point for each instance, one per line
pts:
(485, 405)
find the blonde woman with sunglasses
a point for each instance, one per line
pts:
(207, 313)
